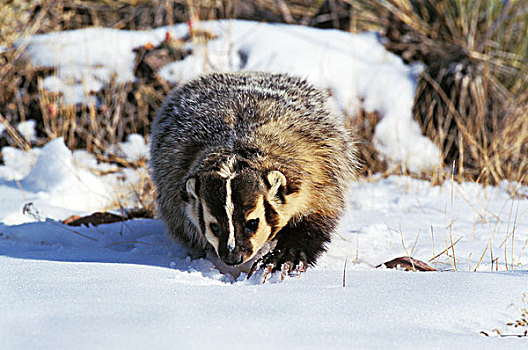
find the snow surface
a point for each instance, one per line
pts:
(53, 179)
(128, 285)
(355, 68)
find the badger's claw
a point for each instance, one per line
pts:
(289, 264)
(300, 268)
(292, 270)
(254, 268)
(285, 270)
(269, 269)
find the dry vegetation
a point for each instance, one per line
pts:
(517, 328)
(472, 98)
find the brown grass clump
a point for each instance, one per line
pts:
(472, 98)
(53, 15)
(363, 124)
(123, 109)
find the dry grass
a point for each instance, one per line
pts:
(472, 99)
(364, 124)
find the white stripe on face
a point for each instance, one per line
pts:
(229, 207)
(226, 169)
(227, 172)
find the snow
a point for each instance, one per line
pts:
(55, 179)
(129, 284)
(355, 68)
(133, 149)
(27, 130)
(138, 306)
(18, 163)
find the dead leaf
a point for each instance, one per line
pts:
(408, 264)
(100, 218)
(94, 219)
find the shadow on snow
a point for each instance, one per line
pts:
(139, 241)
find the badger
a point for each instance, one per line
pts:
(254, 167)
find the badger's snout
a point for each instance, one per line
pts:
(234, 257)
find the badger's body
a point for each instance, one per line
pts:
(247, 161)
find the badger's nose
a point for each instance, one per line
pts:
(233, 258)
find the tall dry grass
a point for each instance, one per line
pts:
(472, 98)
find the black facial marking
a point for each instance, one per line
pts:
(247, 188)
(215, 229)
(214, 194)
(272, 218)
(201, 220)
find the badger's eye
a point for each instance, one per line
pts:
(215, 228)
(251, 225)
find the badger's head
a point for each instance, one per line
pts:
(238, 212)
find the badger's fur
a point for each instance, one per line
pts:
(247, 161)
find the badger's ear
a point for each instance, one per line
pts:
(277, 181)
(190, 187)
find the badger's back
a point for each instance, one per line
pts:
(271, 122)
(219, 106)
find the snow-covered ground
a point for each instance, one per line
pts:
(128, 285)
(63, 305)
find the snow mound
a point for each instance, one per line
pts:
(17, 163)
(355, 68)
(27, 130)
(60, 183)
(64, 182)
(133, 149)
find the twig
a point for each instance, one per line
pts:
(31, 210)
(432, 240)
(445, 250)
(451, 220)
(344, 272)
(505, 243)
(76, 232)
(285, 11)
(405, 248)
(482, 257)
(15, 135)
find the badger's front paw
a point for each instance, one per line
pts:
(288, 261)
